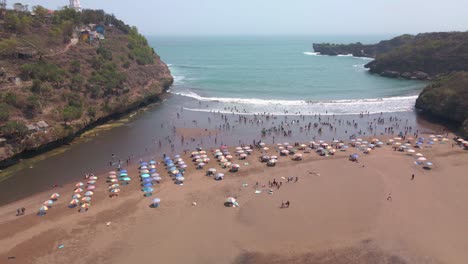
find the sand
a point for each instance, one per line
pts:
(339, 213)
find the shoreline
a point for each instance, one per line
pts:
(204, 135)
(31, 239)
(43, 149)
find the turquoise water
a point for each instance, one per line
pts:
(278, 75)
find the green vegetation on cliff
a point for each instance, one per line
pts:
(70, 69)
(447, 98)
(421, 56)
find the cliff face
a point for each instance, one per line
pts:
(62, 73)
(447, 98)
(422, 56)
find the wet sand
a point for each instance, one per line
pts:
(154, 131)
(339, 213)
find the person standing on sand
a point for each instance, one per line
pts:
(389, 197)
(412, 177)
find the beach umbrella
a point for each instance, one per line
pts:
(86, 199)
(43, 208)
(48, 203)
(91, 187)
(79, 184)
(123, 171)
(156, 202)
(89, 193)
(206, 160)
(143, 167)
(180, 179)
(175, 171)
(243, 155)
(112, 172)
(74, 202)
(123, 174)
(144, 163)
(113, 176)
(94, 182)
(55, 196)
(114, 190)
(115, 185)
(419, 155)
(154, 174)
(152, 162)
(152, 167)
(246, 148)
(157, 178)
(422, 159)
(125, 179)
(201, 164)
(235, 166)
(219, 175)
(93, 178)
(147, 184)
(78, 190)
(183, 166)
(152, 171)
(428, 164)
(76, 196)
(85, 205)
(238, 148)
(212, 170)
(146, 175)
(144, 171)
(231, 200)
(147, 189)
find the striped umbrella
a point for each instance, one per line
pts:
(76, 196)
(86, 199)
(48, 203)
(74, 202)
(79, 184)
(78, 190)
(89, 193)
(55, 196)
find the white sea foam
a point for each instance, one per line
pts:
(312, 53)
(309, 107)
(345, 55)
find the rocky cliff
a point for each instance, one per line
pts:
(422, 56)
(447, 98)
(62, 72)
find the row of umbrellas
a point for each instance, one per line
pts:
(48, 204)
(176, 168)
(200, 158)
(148, 177)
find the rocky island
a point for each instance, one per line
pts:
(441, 57)
(63, 71)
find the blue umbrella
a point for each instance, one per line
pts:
(170, 164)
(157, 178)
(147, 184)
(178, 175)
(152, 162)
(123, 171)
(147, 189)
(430, 143)
(172, 168)
(146, 175)
(355, 156)
(144, 164)
(177, 156)
(147, 180)
(125, 179)
(123, 174)
(152, 171)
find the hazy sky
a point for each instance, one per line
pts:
(238, 17)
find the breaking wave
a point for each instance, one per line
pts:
(306, 107)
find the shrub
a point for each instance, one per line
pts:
(13, 129)
(105, 53)
(71, 113)
(4, 112)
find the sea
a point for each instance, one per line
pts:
(279, 75)
(222, 81)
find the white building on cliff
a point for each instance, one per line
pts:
(75, 4)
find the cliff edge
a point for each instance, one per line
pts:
(63, 71)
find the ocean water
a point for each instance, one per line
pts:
(280, 75)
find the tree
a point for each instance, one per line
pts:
(11, 21)
(13, 129)
(75, 66)
(41, 12)
(4, 112)
(8, 47)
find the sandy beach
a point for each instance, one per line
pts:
(340, 212)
